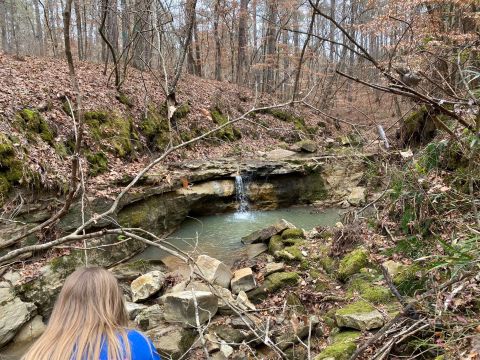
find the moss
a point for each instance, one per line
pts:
(156, 129)
(329, 318)
(67, 264)
(358, 307)
(61, 149)
(304, 264)
(11, 169)
(293, 241)
(228, 132)
(409, 280)
(292, 233)
(362, 283)
(342, 347)
(181, 112)
(124, 99)
(352, 263)
(328, 264)
(287, 116)
(115, 131)
(275, 244)
(32, 121)
(289, 253)
(279, 280)
(98, 162)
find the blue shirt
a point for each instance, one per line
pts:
(141, 347)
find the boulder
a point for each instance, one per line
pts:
(171, 341)
(360, 316)
(131, 270)
(274, 267)
(357, 196)
(14, 315)
(244, 303)
(264, 234)
(147, 285)
(133, 309)
(306, 145)
(279, 280)
(229, 334)
(150, 317)
(352, 263)
(180, 307)
(253, 250)
(275, 244)
(213, 270)
(31, 330)
(243, 280)
(225, 297)
(342, 346)
(293, 234)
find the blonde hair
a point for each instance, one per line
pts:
(89, 314)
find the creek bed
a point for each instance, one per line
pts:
(219, 236)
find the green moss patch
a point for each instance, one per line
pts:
(155, 127)
(34, 123)
(275, 244)
(292, 233)
(279, 280)
(115, 131)
(287, 116)
(98, 162)
(352, 263)
(289, 253)
(342, 347)
(229, 132)
(11, 169)
(364, 285)
(409, 280)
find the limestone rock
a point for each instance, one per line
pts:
(31, 330)
(225, 297)
(213, 270)
(393, 267)
(180, 308)
(147, 285)
(352, 263)
(131, 270)
(274, 267)
(226, 349)
(14, 314)
(171, 341)
(279, 280)
(244, 302)
(342, 346)
(253, 250)
(292, 234)
(264, 234)
(279, 154)
(150, 317)
(308, 146)
(228, 333)
(243, 280)
(360, 316)
(357, 196)
(133, 309)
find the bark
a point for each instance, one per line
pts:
(242, 42)
(78, 18)
(218, 49)
(270, 47)
(39, 29)
(3, 26)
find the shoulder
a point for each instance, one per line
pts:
(141, 346)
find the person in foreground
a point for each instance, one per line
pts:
(89, 322)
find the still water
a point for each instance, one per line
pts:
(220, 236)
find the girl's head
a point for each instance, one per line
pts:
(89, 313)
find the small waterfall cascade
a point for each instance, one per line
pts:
(240, 194)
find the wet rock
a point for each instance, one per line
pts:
(147, 285)
(171, 341)
(213, 270)
(243, 280)
(357, 196)
(150, 317)
(14, 315)
(253, 250)
(264, 234)
(274, 267)
(133, 309)
(31, 330)
(360, 316)
(279, 280)
(180, 308)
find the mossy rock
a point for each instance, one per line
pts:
(181, 112)
(342, 347)
(34, 123)
(293, 241)
(352, 263)
(155, 127)
(229, 132)
(294, 303)
(98, 162)
(11, 169)
(289, 253)
(227, 333)
(287, 116)
(278, 280)
(124, 99)
(363, 284)
(329, 318)
(275, 244)
(114, 130)
(409, 280)
(292, 233)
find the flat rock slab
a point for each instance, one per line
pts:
(243, 280)
(253, 250)
(274, 267)
(360, 316)
(147, 285)
(213, 270)
(180, 307)
(265, 234)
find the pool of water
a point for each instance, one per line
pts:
(220, 236)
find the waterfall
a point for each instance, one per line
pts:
(241, 195)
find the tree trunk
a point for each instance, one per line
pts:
(218, 49)
(270, 47)
(242, 42)
(78, 19)
(39, 31)
(3, 26)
